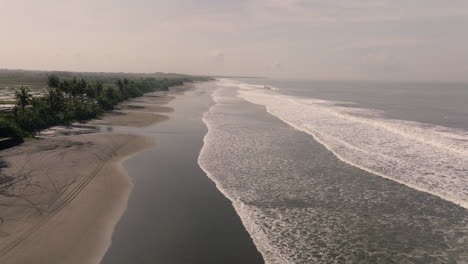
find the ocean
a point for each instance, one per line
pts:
(343, 172)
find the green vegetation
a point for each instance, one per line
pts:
(39, 78)
(9, 129)
(74, 99)
(36, 81)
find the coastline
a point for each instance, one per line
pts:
(300, 203)
(176, 214)
(88, 194)
(72, 186)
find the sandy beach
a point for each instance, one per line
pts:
(234, 132)
(64, 196)
(61, 196)
(68, 194)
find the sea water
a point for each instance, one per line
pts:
(343, 172)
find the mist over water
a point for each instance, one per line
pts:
(301, 204)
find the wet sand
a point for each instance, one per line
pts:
(71, 191)
(62, 195)
(176, 214)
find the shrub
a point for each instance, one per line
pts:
(10, 129)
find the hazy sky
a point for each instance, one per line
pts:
(314, 39)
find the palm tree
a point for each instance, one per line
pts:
(23, 98)
(53, 81)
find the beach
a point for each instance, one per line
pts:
(176, 214)
(234, 132)
(68, 189)
(71, 188)
(231, 172)
(71, 193)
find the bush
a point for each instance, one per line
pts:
(9, 129)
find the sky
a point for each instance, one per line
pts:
(310, 39)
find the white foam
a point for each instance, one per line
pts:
(428, 158)
(248, 214)
(297, 202)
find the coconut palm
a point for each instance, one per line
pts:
(23, 98)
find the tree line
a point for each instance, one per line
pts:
(66, 101)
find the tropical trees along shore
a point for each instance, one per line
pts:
(66, 101)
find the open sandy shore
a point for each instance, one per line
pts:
(66, 195)
(61, 196)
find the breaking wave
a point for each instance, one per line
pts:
(301, 205)
(426, 157)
